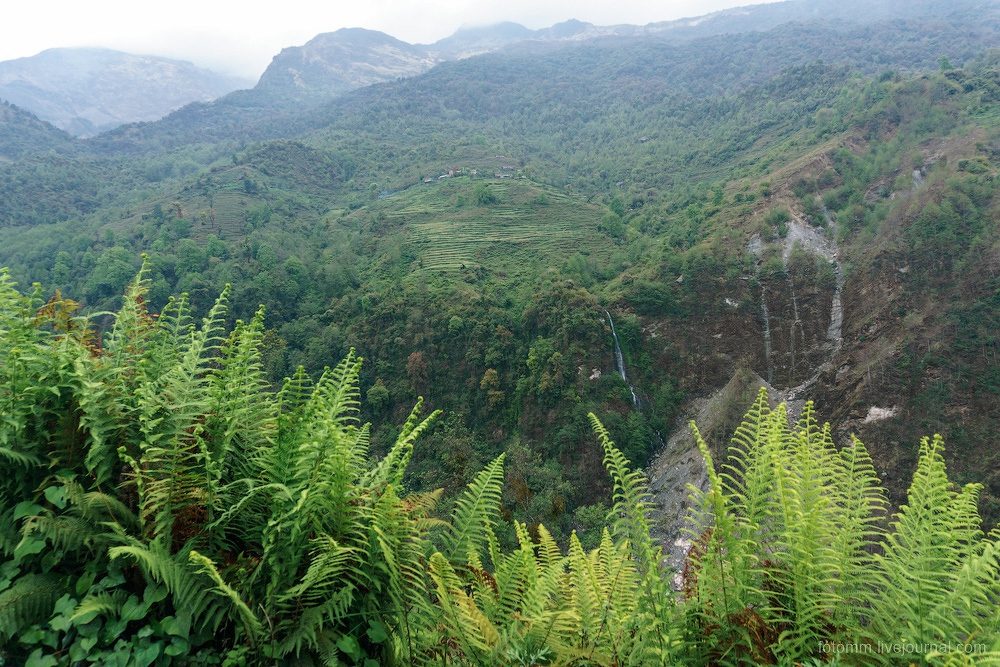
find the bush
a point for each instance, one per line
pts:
(483, 195)
(778, 218)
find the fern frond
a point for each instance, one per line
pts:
(132, 322)
(862, 504)
(502, 600)
(20, 458)
(934, 549)
(29, 600)
(338, 394)
(399, 550)
(312, 627)
(333, 566)
(475, 512)
(251, 626)
(100, 604)
(654, 601)
(466, 622)
(631, 495)
(748, 473)
(242, 412)
(65, 533)
(391, 468)
(548, 551)
(191, 590)
(100, 508)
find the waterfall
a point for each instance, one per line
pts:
(620, 364)
(828, 250)
(837, 307)
(836, 311)
(797, 322)
(767, 335)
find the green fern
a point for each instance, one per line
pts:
(192, 591)
(251, 626)
(474, 515)
(938, 579)
(652, 618)
(98, 604)
(29, 600)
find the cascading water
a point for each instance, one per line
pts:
(827, 249)
(836, 308)
(767, 335)
(679, 465)
(620, 364)
(796, 323)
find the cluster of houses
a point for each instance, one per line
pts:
(451, 174)
(506, 171)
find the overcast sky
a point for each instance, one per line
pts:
(241, 37)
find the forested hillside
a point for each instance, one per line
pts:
(811, 208)
(166, 507)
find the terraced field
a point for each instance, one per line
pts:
(513, 233)
(230, 214)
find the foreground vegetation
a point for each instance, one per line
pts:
(163, 506)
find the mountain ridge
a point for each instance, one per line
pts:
(106, 89)
(88, 90)
(333, 63)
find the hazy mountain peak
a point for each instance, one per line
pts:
(354, 36)
(333, 63)
(86, 90)
(567, 29)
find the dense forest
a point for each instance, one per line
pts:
(532, 246)
(167, 508)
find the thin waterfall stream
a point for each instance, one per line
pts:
(796, 323)
(620, 364)
(767, 335)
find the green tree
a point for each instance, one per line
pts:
(483, 195)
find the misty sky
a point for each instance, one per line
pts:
(241, 37)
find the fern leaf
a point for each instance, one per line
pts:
(391, 468)
(29, 600)
(251, 626)
(475, 512)
(103, 603)
(468, 625)
(631, 495)
(188, 586)
(19, 458)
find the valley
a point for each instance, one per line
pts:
(530, 233)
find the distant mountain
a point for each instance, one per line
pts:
(472, 41)
(85, 91)
(334, 63)
(767, 16)
(287, 103)
(88, 91)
